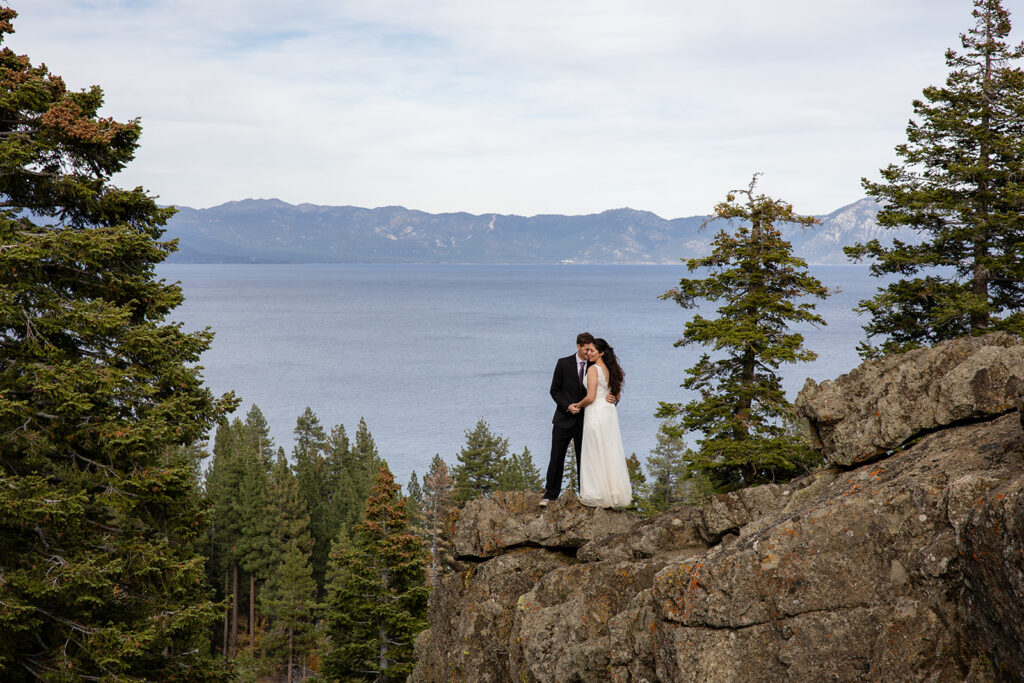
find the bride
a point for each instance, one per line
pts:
(604, 479)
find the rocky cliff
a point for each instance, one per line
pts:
(903, 560)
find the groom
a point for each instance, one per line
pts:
(568, 386)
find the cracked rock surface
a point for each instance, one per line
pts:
(882, 403)
(910, 567)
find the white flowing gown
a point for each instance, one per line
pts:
(604, 479)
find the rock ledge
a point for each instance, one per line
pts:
(906, 568)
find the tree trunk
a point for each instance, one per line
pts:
(979, 285)
(227, 613)
(234, 614)
(749, 364)
(291, 652)
(433, 549)
(252, 613)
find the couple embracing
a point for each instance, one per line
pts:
(586, 387)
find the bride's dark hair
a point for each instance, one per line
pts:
(616, 377)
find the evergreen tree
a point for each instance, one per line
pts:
(637, 481)
(481, 463)
(742, 410)
(438, 499)
(100, 512)
(364, 462)
(960, 184)
(520, 474)
(346, 508)
(286, 513)
(290, 547)
(290, 602)
(253, 544)
(667, 465)
(339, 546)
(257, 436)
(571, 478)
(312, 472)
(379, 601)
(414, 502)
(236, 489)
(223, 479)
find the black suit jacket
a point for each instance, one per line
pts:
(566, 389)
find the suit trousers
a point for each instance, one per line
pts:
(561, 437)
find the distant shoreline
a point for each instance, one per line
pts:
(176, 262)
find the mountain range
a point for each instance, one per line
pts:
(273, 231)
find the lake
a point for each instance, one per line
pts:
(424, 351)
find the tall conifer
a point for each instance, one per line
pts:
(287, 517)
(481, 463)
(414, 502)
(638, 482)
(380, 600)
(520, 474)
(364, 461)
(289, 600)
(960, 184)
(312, 472)
(438, 503)
(667, 465)
(742, 412)
(100, 513)
(253, 545)
(346, 508)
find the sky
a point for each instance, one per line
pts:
(526, 107)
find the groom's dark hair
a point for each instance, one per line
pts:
(584, 338)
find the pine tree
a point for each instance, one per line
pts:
(311, 470)
(223, 479)
(345, 506)
(637, 481)
(379, 601)
(288, 538)
(481, 463)
(100, 397)
(438, 499)
(335, 577)
(960, 184)
(253, 543)
(414, 502)
(286, 515)
(290, 602)
(667, 465)
(364, 461)
(236, 489)
(520, 474)
(257, 436)
(742, 411)
(571, 478)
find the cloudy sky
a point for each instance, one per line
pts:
(531, 106)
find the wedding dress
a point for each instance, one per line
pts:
(604, 479)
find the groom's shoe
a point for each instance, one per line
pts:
(543, 502)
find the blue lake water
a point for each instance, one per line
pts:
(423, 351)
